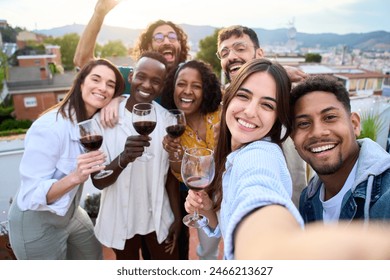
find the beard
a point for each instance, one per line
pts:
(327, 168)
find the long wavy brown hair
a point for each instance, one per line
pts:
(223, 149)
(73, 101)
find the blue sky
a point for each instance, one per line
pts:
(310, 16)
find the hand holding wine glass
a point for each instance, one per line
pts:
(176, 127)
(197, 171)
(144, 120)
(91, 139)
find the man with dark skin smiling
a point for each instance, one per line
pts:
(353, 176)
(137, 208)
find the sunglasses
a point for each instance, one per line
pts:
(159, 37)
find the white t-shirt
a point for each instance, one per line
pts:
(137, 203)
(332, 207)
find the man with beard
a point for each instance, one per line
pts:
(238, 44)
(162, 36)
(353, 176)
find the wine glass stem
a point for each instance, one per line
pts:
(196, 215)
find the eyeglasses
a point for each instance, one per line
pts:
(238, 48)
(159, 37)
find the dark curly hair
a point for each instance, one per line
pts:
(212, 93)
(145, 39)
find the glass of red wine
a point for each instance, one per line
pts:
(91, 139)
(144, 121)
(176, 127)
(197, 171)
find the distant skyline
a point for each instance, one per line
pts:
(308, 16)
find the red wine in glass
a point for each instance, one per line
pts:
(197, 183)
(176, 130)
(144, 127)
(91, 142)
(176, 127)
(197, 171)
(91, 139)
(144, 121)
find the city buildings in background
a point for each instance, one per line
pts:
(35, 87)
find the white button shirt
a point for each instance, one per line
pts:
(137, 203)
(51, 149)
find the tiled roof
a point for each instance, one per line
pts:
(29, 82)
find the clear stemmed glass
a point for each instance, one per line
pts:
(144, 121)
(176, 127)
(91, 139)
(197, 172)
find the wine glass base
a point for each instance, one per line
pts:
(195, 222)
(103, 174)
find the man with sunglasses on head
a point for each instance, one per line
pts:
(238, 44)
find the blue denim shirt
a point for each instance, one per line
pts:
(373, 176)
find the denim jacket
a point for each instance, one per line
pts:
(369, 197)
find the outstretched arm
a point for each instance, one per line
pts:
(86, 45)
(271, 232)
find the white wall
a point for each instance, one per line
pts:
(377, 105)
(11, 153)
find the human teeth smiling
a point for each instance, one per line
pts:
(144, 94)
(244, 123)
(186, 100)
(235, 68)
(322, 148)
(99, 95)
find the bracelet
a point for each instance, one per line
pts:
(119, 162)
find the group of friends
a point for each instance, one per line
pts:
(264, 132)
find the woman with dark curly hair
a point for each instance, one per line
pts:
(195, 89)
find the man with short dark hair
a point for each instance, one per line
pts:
(353, 176)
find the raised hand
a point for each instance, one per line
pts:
(104, 6)
(172, 146)
(87, 164)
(134, 147)
(109, 116)
(198, 200)
(295, 74)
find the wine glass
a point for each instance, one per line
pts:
(91, 139)
(197, 171)
(144, 121)
(176, 127)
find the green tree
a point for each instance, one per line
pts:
(9, 34)
(313, 57)
(3, 69)
(68, 44)
(113, 48)
(98, 50)
(207, 50)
